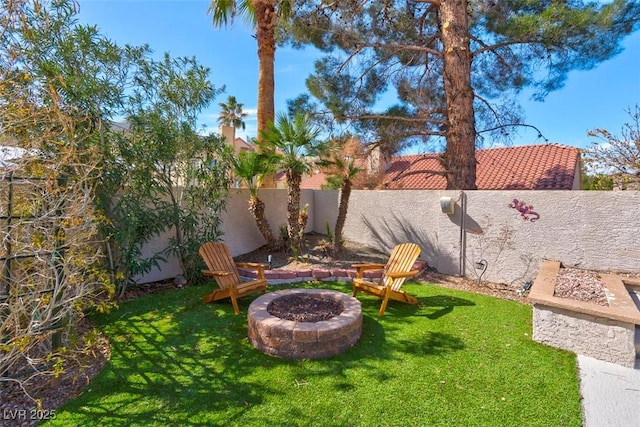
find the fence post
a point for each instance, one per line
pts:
(56, 258)
(6, 274)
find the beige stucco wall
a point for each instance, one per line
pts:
(596, 230)
(384, 218)
(239, 228)
(325, 203)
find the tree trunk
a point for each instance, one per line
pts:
(460, 155)
(256, 207)
(293, 207)
(345, 192)
(303, 217)
(265, 36)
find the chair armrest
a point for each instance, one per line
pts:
(399, 274)
(254, 266)
(368, 266)
(210, 273)
(360, 268)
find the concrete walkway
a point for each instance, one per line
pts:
(610, 393)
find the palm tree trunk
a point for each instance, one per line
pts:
(345, 192)
(256, 207)
(460, 154)
(303, 217)
(265, 36)
(293, 207)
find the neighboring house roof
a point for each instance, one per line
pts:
(242, 145)
(526, 167)
(315, 181)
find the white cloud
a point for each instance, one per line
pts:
(287, 69)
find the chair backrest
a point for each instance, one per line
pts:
(218, 258)
(401, 260)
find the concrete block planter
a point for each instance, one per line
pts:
(606, 333)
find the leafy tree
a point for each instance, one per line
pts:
(52, 270)
(597, 182)
(295, 140)
(232, 114)
(264, 16)
(454, 64)
(616, 154)
(252, 167)
(60, 85)
(176, 178)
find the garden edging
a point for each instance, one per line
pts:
(279, 277)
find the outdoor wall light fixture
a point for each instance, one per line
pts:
(447, 205)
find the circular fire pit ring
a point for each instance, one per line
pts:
(291, 339)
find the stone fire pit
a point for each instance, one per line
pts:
(292, 339)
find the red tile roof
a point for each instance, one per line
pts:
(314, 181)
(526, 167)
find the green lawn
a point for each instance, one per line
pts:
(460, 359)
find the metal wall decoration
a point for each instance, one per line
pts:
(526, 211)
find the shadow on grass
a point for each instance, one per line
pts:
(436, 305)
(177, 361)
(173, 351)
(445, 303)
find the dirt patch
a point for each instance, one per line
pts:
(316, 254)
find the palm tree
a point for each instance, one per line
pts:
(252, 167)
(296, 144)
(263, 16)
(342, 170)
(232, 114)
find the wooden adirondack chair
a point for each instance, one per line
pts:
(396, 271)
(224, 270)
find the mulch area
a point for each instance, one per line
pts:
(36, 398)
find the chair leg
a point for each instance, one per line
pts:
(207, 298)
(234, 301)
(385, 300)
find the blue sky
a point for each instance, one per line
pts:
(591, 99)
